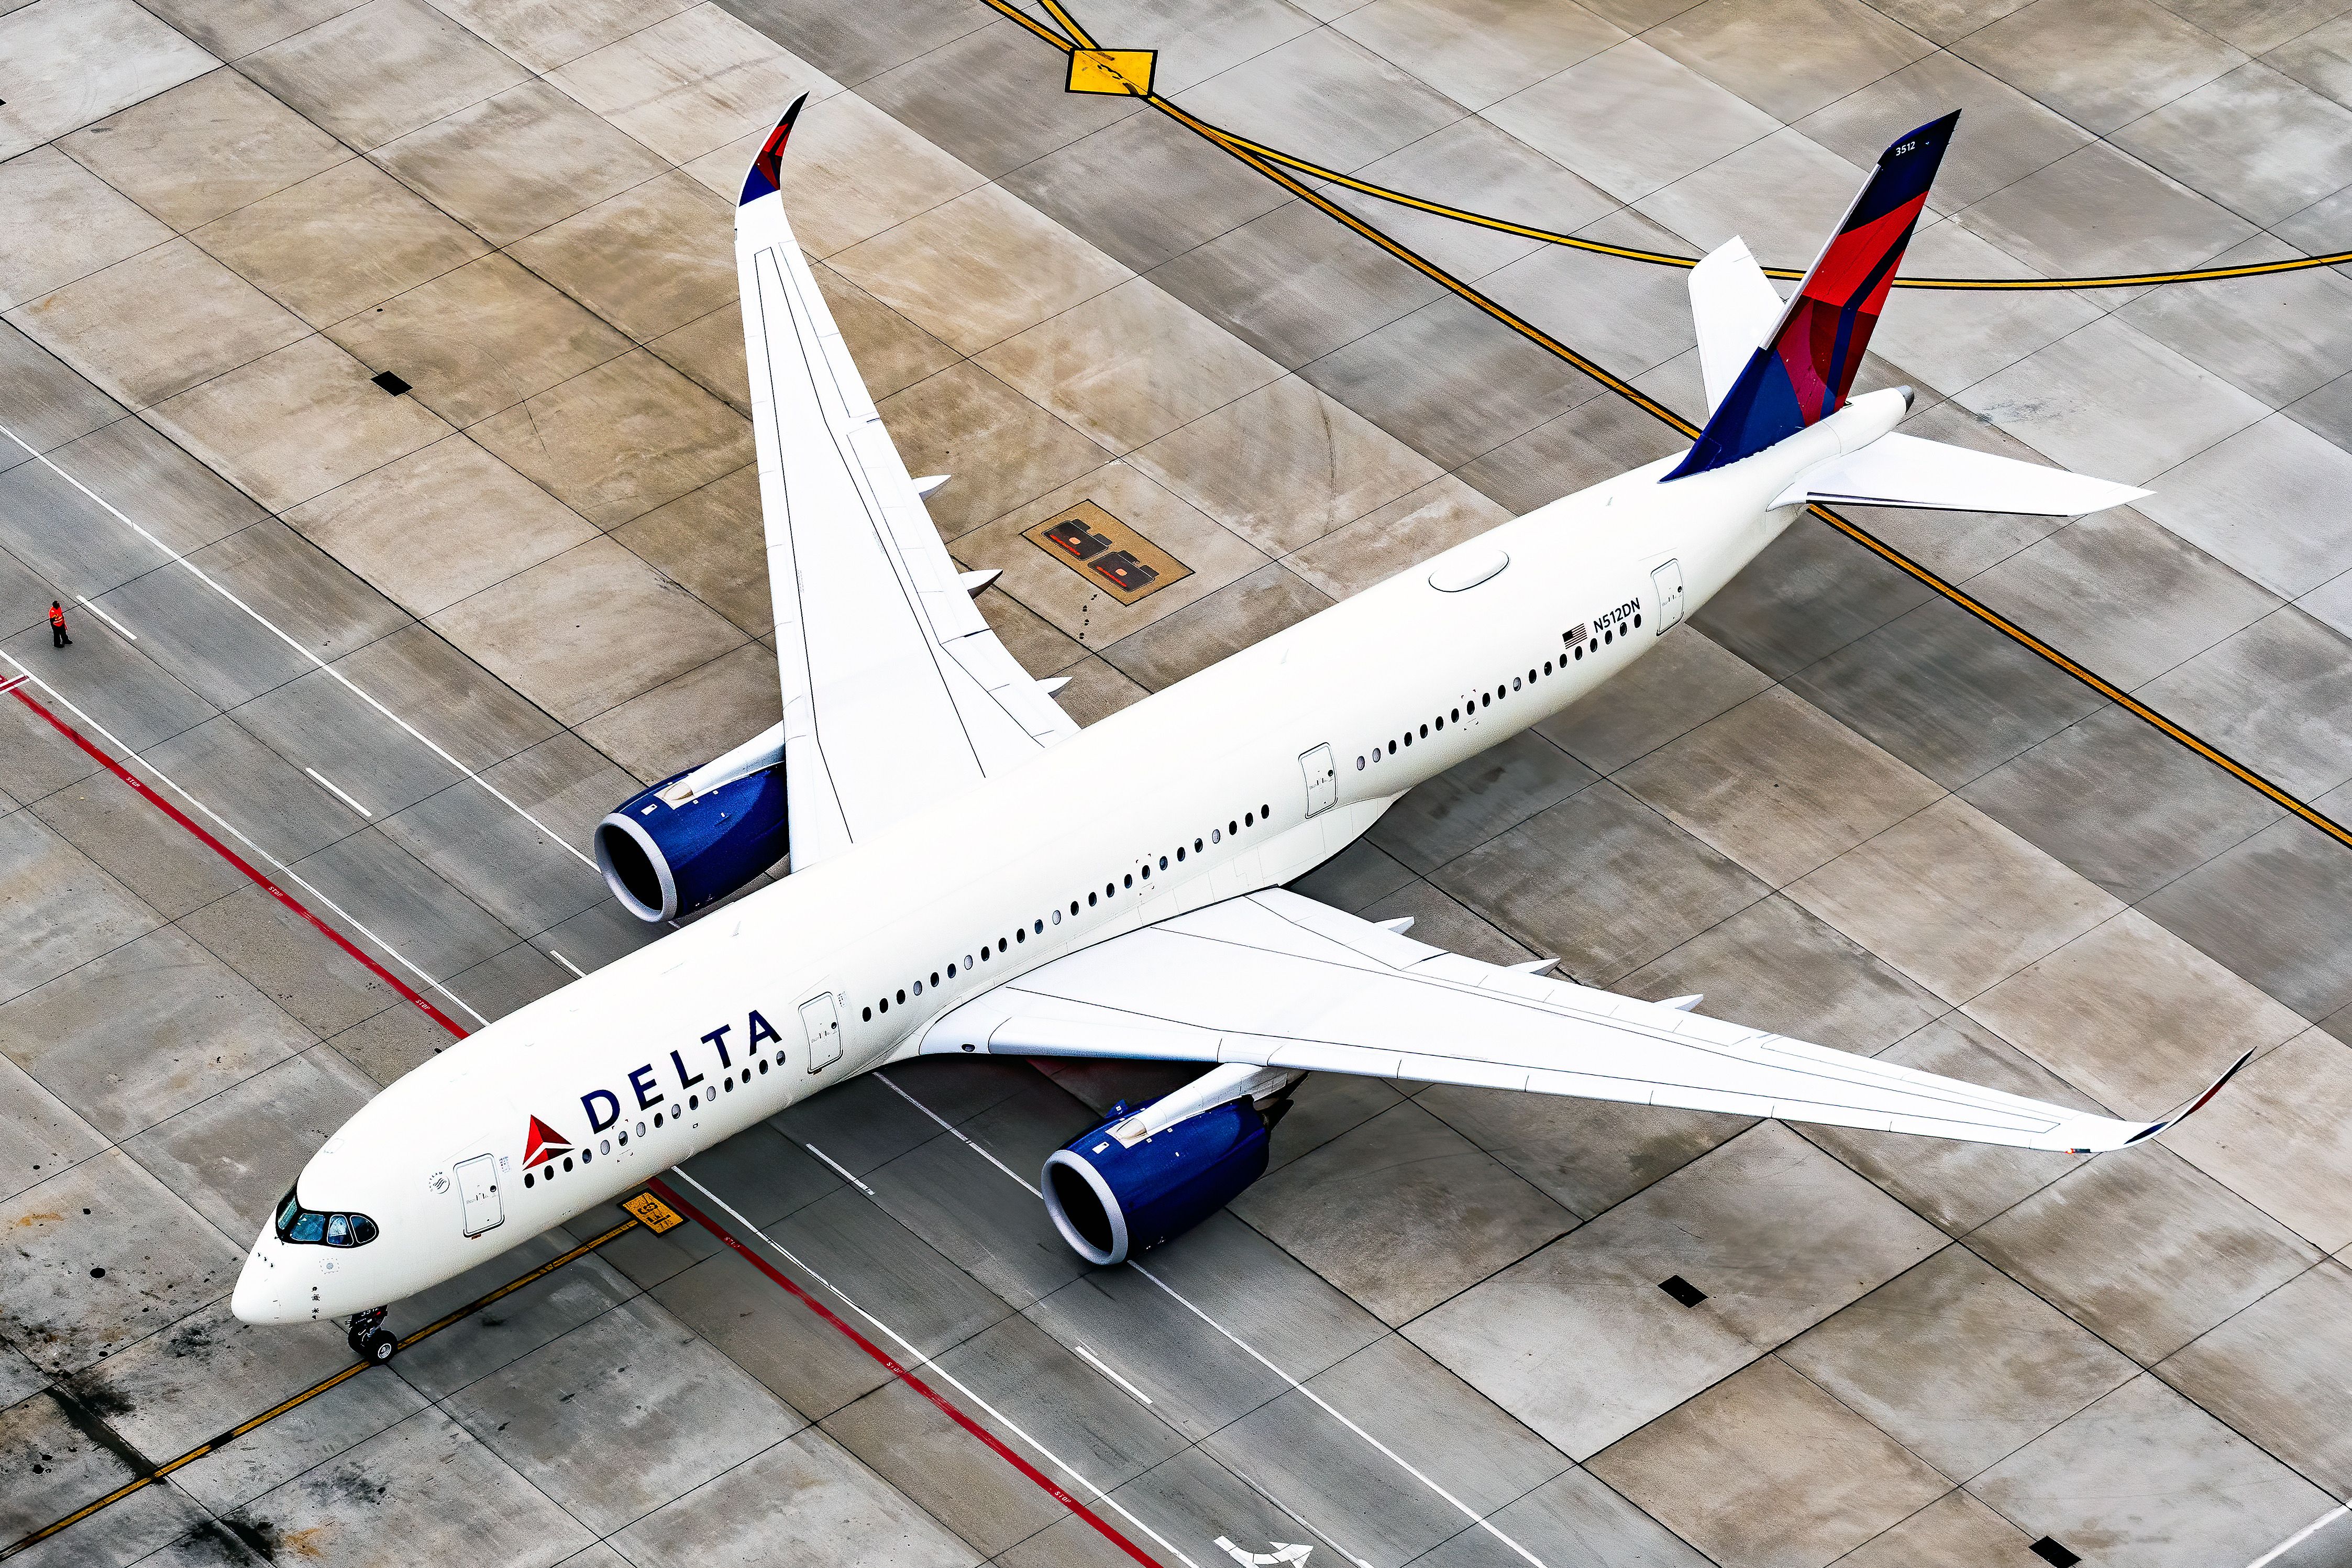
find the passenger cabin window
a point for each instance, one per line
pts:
(309, 1228)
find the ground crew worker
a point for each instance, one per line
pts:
(57, 637)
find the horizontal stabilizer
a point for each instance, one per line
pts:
(1904, 470)
(1734, 308)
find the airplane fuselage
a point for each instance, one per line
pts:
(1240, 777)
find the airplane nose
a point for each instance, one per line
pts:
(256, 1297)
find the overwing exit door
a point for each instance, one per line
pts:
(1668, 582)
(823, 1026)
(1322, 779)
(477, 1194)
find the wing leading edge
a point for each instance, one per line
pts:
(896, 691)
(1277, 979)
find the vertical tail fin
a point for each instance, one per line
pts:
(1805, 369)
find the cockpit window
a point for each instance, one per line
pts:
(309, 1228)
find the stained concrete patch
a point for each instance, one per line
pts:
(46, 874)
(802, 1496)
(70, 224)
(80, 60)
(1402, 1213)
(1958, 1363)
(621, 439)
(1719, 1224)
(2272, 1371)
(599, 1420)
(2145, 1250)
(96, 324)
(297, 423)
(425, 1483)
(1767, 1469)
(204, 149)
(157, 1262)
(2144, 1476)
(1960, 1186)
(178, 1027)
(339, 242)
(630, 630)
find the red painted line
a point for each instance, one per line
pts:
(232, 856)
(669, 1196)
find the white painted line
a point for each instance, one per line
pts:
(176, 557)
(1104, 1367)
(110, 620)
(839, 1169)
(2300, 1536)
(952, 1132)
(915, 1359)
(1254, 1354)
(13, 682)
(566, 962)
(341, 794)
(285, 872)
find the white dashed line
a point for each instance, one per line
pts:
(102, 615)
(339, 793)
(1103, 1367)
(843, 1172)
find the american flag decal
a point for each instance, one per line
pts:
(1576, 633)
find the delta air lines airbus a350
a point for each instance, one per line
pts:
(970, 872)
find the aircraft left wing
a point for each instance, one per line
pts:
(1272, 979)
(896, 691)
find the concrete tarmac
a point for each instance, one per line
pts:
(400, 651)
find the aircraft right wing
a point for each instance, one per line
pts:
(1276, 980)
(896, 691)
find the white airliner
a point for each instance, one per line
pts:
(970, 872)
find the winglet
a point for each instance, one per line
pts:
(764, 178)
(2194, 1106)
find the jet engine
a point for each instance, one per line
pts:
(696, 836)
(1143, 1178)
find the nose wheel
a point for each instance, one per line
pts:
(369, 1339)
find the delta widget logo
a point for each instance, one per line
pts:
(544, 1145)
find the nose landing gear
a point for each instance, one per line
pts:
(368, 1338)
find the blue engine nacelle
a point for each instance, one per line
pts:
(1109, 1200)
(662, 861)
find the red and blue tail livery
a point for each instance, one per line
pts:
(1803, 373)
(765, 175)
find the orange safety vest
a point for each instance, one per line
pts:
(57, 616)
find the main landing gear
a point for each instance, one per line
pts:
(369, 1339)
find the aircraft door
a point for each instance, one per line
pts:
(823, 1026)
(477, 1193)
(1668, 581)
(1322, 779)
